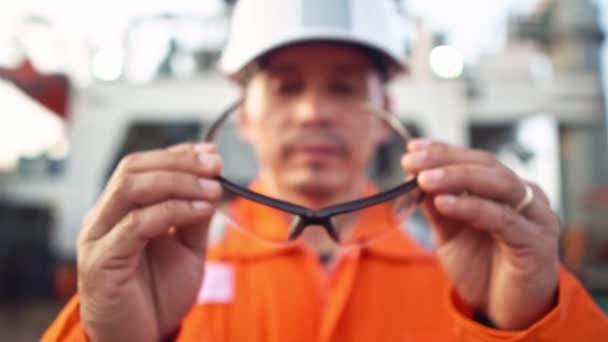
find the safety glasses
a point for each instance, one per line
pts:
(401, 198)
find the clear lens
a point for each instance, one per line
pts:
(326, 153)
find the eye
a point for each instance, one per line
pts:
(343, 88)
(289, 88)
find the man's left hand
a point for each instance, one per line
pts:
(501, 261)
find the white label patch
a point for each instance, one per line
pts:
(218, 284)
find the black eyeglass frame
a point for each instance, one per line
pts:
(305, 216)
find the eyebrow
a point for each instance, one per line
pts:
(281, 69)
(348, 69)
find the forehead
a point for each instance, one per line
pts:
(323, 57)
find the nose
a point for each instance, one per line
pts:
(314, 109)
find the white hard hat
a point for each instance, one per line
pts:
(260, 26)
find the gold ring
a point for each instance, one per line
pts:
(528, 197)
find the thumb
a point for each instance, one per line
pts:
(443, 228)
(194, 236)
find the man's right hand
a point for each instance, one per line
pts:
(136, 278)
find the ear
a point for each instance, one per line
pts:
(387, 102)
(243, 123)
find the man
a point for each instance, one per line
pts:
(495, 276)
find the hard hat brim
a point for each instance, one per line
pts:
(231, 67)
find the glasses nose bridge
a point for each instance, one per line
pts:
(301, 222)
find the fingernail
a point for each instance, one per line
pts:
(209, 161)
(203, 158)
(419, 144)
(446, 200)
(415, 159)
(201, 147)
(201, 206)
(432, 177)
(202, 152)
(209, 187)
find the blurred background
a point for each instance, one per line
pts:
(82, 83)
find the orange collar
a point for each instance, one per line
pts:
(274, 224)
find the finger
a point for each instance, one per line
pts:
(198, 159)
(539, 210)
(150, 187)
(498, 219)
(140, 226)
(443, 228)
(436, 154)
(540, 194)
(194, 236)
(499, 184)
(200, 147)
(143, 189)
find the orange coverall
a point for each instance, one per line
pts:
(389, 290)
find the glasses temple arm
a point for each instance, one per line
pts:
(211, 132)
(262, 199)
(371, 200)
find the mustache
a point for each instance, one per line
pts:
(292, 141)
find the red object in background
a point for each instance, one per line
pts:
(65, 281)
(51, 90)
(575, 243)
